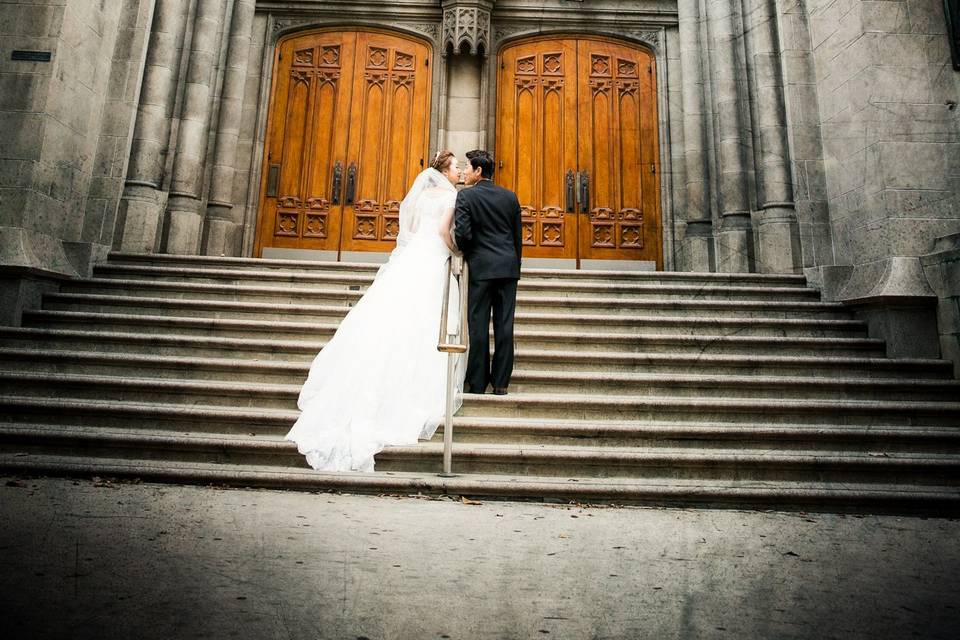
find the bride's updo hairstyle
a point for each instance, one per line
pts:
(442, 159)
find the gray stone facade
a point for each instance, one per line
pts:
(813, 136)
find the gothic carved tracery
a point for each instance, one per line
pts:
(467, 22)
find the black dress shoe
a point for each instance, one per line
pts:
(471, 390)
(499, 391)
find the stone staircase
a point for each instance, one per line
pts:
(646, 387)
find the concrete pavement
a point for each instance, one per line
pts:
(99, 559)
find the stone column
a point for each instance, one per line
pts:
(778, 240)
(184, 213)
(732, 131)
(465, 39)
(445, 72)
(698, 242)
(222, 226)
(140, 214)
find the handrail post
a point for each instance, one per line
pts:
(451, 348)
(448, 419)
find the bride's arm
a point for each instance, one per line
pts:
(446, 226)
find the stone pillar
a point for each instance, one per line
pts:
(184, 213)
(778, 240)
(223, 223)
(141, 207)
(698, 243)
(445, 72)
(732, 132)
(465, 41)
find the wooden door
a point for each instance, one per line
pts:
(537, 142)
(578, 143)
(388, 137)
(347, 131)
(618, 153)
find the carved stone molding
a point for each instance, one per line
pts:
(467, 22)
(285, 23)
(504, 31)
(652, 37)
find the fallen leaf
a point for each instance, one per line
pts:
(466, 500)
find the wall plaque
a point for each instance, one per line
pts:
(32, 56)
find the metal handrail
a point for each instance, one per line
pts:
(452, 344)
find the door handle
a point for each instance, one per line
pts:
(273, 178)
(584, 192)
(571, 196)
(337, 182)
(351, 183)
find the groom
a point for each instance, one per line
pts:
(487, 230)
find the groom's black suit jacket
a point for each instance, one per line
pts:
(487, 230)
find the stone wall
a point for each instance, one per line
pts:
(63, 127)
(891, 146)
(891, 131)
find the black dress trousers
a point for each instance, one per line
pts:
(499, 296)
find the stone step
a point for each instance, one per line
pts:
(702, 385)
(710, 464)
(646, 387)
(120, 261)
(573, 384)
(877, 439)
(37, 358)
(167, 336)
(627, 325)
(721, 410)
(533, 282)
(725, 403)
(152, 390)
(897, 497)
(635, 463)
(332, 310)
(597, 294)
(110, 413)
(194, 420)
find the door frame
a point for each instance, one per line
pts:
(278, 30)
(653, 41)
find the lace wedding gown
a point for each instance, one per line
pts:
(380, 380)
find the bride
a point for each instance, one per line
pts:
(380, 380)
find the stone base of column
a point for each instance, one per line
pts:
(22, 291)
(778, 241)
(894, 298)
(907, 326)
(221, 236)
(734, 244)
(696, 250)
(942, 269)
(184, 223)
(139, 217)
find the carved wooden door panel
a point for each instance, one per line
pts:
(307, 135)
(347, 132)
(577, 141)
(537, 142)
(388, 137)
(618, 153)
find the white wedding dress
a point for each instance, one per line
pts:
(380, 380)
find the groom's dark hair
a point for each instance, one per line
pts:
(480, 159)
